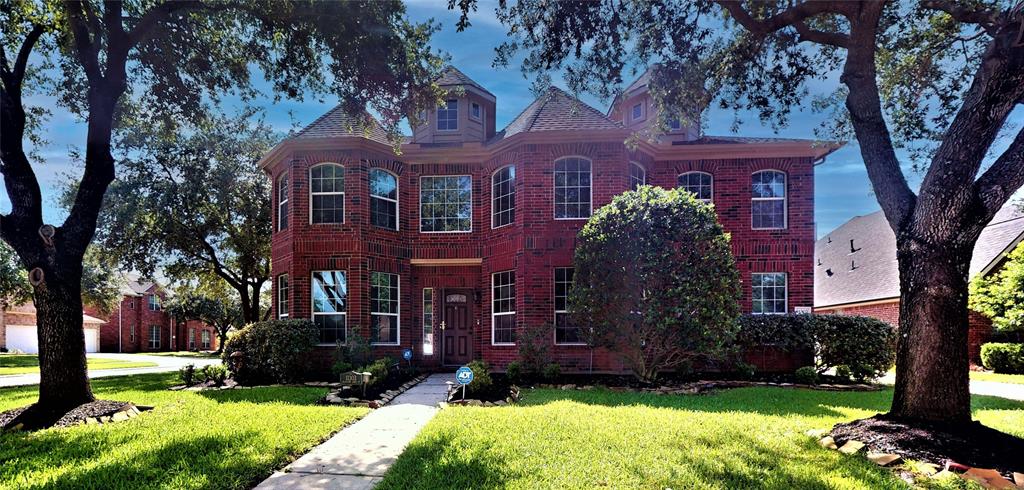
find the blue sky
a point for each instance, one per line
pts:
(842, 190)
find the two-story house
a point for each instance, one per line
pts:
(467, 237)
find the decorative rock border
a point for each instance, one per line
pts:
(513, 397)
(127, 413)
(698, 387)
(334, 397)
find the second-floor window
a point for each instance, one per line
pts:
(448, 116)
(768, 201)
(154, 302)
(282, 202)
(282, 296)
(503, 197)
(572, 188)
(637, 176)
(383, 308)
(327, 194)
(446, 203)
(330, 305)
(383, 199)
(701, 184)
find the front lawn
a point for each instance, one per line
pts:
(1017, 379)
(29, 364)
(211, 439)
(741, 438)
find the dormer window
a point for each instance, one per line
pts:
(475, 111)
(638, 111)
(675, 124)
(448, 116)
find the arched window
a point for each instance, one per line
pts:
(701, 184)
(637, 176)
(327, 194)
(572, 188)
(383, 199)
(503, 196)
(768, 201)
(282, 202)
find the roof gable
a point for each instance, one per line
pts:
(556, 110)
(453, 77)
(339, 123)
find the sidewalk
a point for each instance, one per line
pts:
(987, 388)
(358, 456)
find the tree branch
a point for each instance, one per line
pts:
(984, 17)
(837, 39)
(1003, 178)
(790, 17)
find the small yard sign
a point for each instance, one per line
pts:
(407, 354)
(464, 375)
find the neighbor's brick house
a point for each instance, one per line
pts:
(468, 235)
(856, 271)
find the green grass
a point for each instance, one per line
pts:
(203, 355)
(741, 438)
(212, 439)
(29, 364)
(1017, 379)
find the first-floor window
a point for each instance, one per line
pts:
(131, 333)
(191, 339)
(503, 307)
(637, 176)
(769, 293)
(206, 340)
(282, 296)
(701, 184)
(565, 331)
(428, 321)
(384, 308)
(330, 304)
(154, 337)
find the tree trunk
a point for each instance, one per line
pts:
(931, 356)
(64, 380)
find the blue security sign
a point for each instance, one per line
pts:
(464, 375)
(407, 354)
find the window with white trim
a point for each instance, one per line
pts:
(637, 176)
(330, 304)
(206, 339)
(282, 296)
(383, 199)
(503, 197)
(446, 203)
(428, 321)
(701, 184)
(327, 194)
(282, 202)
(768, 201)
(475, 111)
(674, 124)
(572, 188)
(154, 337)
(565, 331)
(448, 116)
(131, 334)
(154, 302)
(384, 308)
(191, 339)
(638, 111)
(769, 293)
(503, 307)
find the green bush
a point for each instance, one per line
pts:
(788, 332)
(514, 371)
(355, 352)
(481, 377)
(214, 372)
(552, 371)
(187, 373)
(745, 370)
(532, 344)
(378, 370)
(806, 375)
(275, 351)
(843, 372)
(1003, 358)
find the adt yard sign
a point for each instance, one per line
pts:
(407, 354)
(464, 375)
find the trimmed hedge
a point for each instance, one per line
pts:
(1003, 358)
(274, 351)
(864, 346)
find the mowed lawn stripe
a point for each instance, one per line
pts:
(11, 364)
(212, 439)
(742, 438)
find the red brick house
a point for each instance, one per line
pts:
(856, 271)
(468, 235)
(140, 324)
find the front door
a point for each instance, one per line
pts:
(458, 331)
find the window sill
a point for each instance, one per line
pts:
(503, 344)
(573, 344)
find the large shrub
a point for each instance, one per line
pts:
(861, 346)
(1000, 296)
(655, 281)
(275, 351)
(1003, 358)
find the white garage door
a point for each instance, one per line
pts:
(23, 338)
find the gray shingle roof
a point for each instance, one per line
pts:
(338, 123)
(452, 77)
(876, 275)
(556, 110)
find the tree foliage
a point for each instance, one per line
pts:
(14, 286)
(101, 281)
(1000, 295)
(655, 281)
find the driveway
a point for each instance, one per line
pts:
(987, 388)
(163, 364)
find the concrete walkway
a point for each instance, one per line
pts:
(357, 457)
(163, 364)
(987, 388)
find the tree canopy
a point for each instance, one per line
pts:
(14, 286)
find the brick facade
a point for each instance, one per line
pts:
(127, 327)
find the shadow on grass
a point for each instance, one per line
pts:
(436, 463)
(276, 394)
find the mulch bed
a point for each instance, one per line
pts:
(970, 444)
(78, 415)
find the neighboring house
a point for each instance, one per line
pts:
(856, 272)
(18, 330)
(140, 324)
(467, 237)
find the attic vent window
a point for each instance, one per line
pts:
(852, 248)
(448, 116)
(638, 112)
(475, 111)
